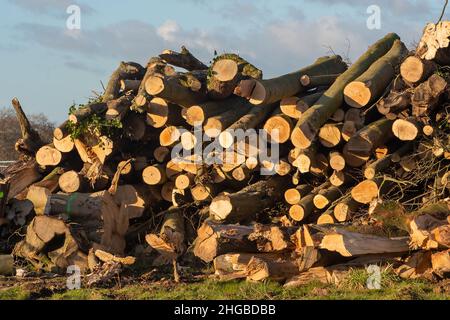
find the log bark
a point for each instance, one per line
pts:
(247, 203)
(214, 240)
(311, 81)
(361, 145)
(312, 120)
(369, 86)
(125, 71)
(272, 90)
(427, 95)
(118, 108)
(350, 244)
(184, 59)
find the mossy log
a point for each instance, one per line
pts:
(312, 120)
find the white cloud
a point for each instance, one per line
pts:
(168, 30)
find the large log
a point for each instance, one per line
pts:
(245, 204)
(272, 90)
(369, 86)
(225, 73)
(350, 244)
(312, 120)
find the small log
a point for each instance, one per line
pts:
(311, 81)
(395, 102)
(198, 114)
(378, 166)
(183, 59)
(326, 218)
(167, 190)
(217, 124)
(315, 117)
(337, 161)
(245, 204)
(169, 136)
(325, 197)
(72, 181)
(48, 156)
(345, 210)
(118, 108)
(279, 127)
(62, 131)
(86, 111)
(154, 175)
(129, 85)
(427, 95)
(294, 195)
(294, 107)
(161, 113)
(366, 140)
(330, 135)
(406, 129)
(66, 145)
(415, 70)
(365, 191)
(348, 130)
(161, 154)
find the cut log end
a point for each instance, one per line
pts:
(225, 70)
(357, 94)
(405, 130)
(365, 192)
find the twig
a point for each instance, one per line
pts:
(443, 11)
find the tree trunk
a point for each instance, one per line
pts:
(312, 120)
(160, 113)
(272, 90)
(369, 86)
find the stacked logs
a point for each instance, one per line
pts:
(317, 193)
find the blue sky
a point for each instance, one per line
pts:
(49, 67)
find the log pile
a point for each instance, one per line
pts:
(337, 167)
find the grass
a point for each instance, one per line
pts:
(353, 288)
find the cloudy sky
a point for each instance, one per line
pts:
(50, 67)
